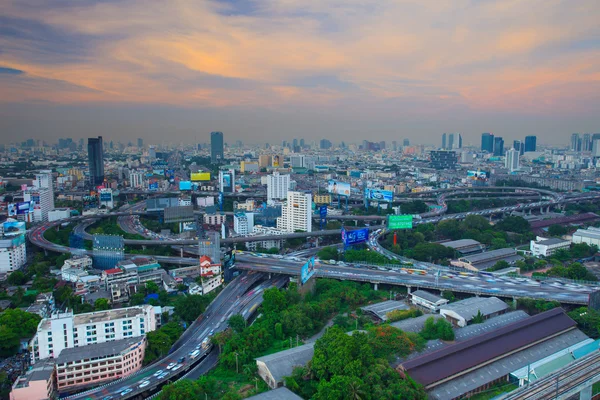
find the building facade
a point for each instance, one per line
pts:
(296, 213)
(216, 147)
(96, 161)
(277, 186)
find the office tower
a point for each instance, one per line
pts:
(596, 145)
(140, 143)
(519, 146)
(227, 181)
(294, 143)
(65, 330)
(107, 251)
(443, 159)
(152, 153)
(301, 142)
(487, 142)
(216, 147)
(382, 145)
(450, 141)
(512, 160)
(296, 213)
(96, 161)
(530, 143)
(325, 144)
(394, 145)
(406, 143)
(44, 180)
(574, 141)
(81, 142)
(443, 141)
(498, 146)
(43, 198)
(297, 160)
(586, 144)
(277, 186)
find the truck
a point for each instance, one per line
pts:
(194, 354)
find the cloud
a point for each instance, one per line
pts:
(480, 55)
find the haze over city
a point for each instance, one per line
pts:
(263, 70)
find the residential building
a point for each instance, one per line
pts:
(66, 330)
(83, 262)
(323, 198)
(487, 142)
(216, 147)
(215, 219)
(137, 179)
(38, 383)
(44, 180)
(296, 213)
(498, 146)
(543, 247)
(243, 223)
(511, 161)
(13, 253)
(462, 312)
(58, 214)
(43, 198)
(96, 161)
(427, 300)
(443, 159)
(260, 230)
(277, 186)
(95, 364)
(264, 161)
(297, 160)
(530, 143)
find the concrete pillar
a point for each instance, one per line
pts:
(375, 286)
(586, 393)
(548, 210)
(541, 210)
(408, 289)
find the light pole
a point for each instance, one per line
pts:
(236, 363)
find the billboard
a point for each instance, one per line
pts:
(477, 175)
(379, 195)
(226, 181)
(106, 196)
(90, 202)
(323, 212)
(339, 188)
(153, 186)
(159, 172)
(277, 161)
(25, 207)
(355, 236)
(308, 270)
(400, 222)
(200, 176)
(185, 185)
(12, 209)
(220, 199)
(170, 174)
(13, 228)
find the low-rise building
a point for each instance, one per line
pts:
(483, 261)
(274, 367)
(427, 300)
(58, 214)
(460, 313)
(215, 219)
(83, 262)
(465, 247)
(543, 247)
(38, 383)
(98, 363)
(591, 236)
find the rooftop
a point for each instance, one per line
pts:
(552, 241)
(281, 393)
(99, 350)
(458, 244)
(488, 255)
(40, 371)
(381, 309)
(427, 296)
(282, 364)
(468, 308)
(458, 358)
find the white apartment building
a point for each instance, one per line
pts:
(44, 202)
(243, 223)
(511, 162)
(297, 160)
(543, 247)
(44, 180)
(58, 214)
(260, 230)
(296, 213)
(83, 262)
(65, 330)
(277, 186)
(13, 253)
(215, 219)
(136, 179)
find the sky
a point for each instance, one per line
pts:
(271, 70)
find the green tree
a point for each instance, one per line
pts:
(183, 389)
(448, 295)
(151, 287)
(136, 299)
(557, 230)
(499, 265)
(17, 278)
(190, 307)
(101, 304)
(237, 323)
(478, 318)
(278, 331)
(159, 344)
(9, 341)
(24, 324)
(328, 253)
(273, 300)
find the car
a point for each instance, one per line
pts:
(144, 384)
(181, 359)
(175, 368)
(107, 398)
(162, 376)
(126, 391)
(171, 365)
(159, 372)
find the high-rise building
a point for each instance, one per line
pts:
(394, 145)
(574, 142)
(511, 161)
(297, 160)
(243, 223)
(140, 143)
(586, 143)
(210, 246)
(443, 159)
(519, 146)
(498, 146)
(487, 142)
(152, 153)
(44, 202)
(65, 330)
(277, 186)
(296, 213)
(216, 147)
(301, 142)
(107, 251)
(406, 143)
(227, 181)
(13, 252)
(444, 147)
(530, 143)
(324, 144)
(44, 180)
(596, 145)
(96, 161)
(264, 161)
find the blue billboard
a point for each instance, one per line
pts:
(379, 195)
(185, 185)
(107, 196)
(323, 212)
(25, 207)
(13, 228)
(308, 270)
(355, 236)
(153, 186)
(170, 174)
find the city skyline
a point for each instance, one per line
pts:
(257, 70)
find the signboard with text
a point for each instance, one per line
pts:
(200, 176)
(400, 222)
(379, 195)
(355, 237)
(308, 270)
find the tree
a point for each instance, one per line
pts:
(101, 304)
(237, 323)
(24, 324)
(273, 300)
(183, 389)
(557, 230)
(278, 331)
(499, 265)
(9, 341)
(448, 295)
(151, 287)
(328, 253)
(514, 224)
(17, 278)
(478, 318)
(136, 299)
(190, 307)
(159, 344)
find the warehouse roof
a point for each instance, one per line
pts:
(552, 241)
(282, 364)
(488, 325)
(453, 360)
(281, 393)
(427, 296)
(468, 308)
(489, 255)
(381, 309)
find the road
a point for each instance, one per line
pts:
(446, 280)
(235, 298)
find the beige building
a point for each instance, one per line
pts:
(36, 384)
(264, 161)
(322, 198)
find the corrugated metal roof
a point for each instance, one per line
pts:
(468, 308)
(457, 358)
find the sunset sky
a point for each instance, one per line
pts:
(269, 70)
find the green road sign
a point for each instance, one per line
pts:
(400, 222)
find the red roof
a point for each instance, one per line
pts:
(113, 271)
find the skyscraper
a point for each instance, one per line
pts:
(586, 144)
(519, 146)
(443, 141)
(575, 142)
(296, 213)
(277, 186)
(512, 160)
(498, 146)
(140, 143)
(450, 142)
(216, 147)
(406, 143)
(96, 160)
(325, 144)
(487, 142)
(530, 143)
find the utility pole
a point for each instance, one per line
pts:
(236, 363)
